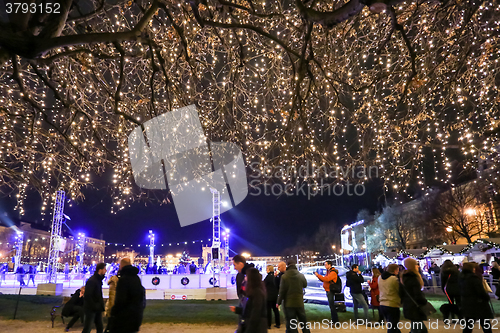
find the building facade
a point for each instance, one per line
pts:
(36, 245)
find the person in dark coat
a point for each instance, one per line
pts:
(253, 307)
(93, 304)
(74, 308)
(3, 270)
(127, 312)
(354, 279)
(413, 297)
(20, 275)
(240, 264)
(495, 274)
(31, 277)
(450, 287)
(475, 299)
(279, 274)
(484, 267)
(272, 297)
(495, 271)
(192, 268)
(291, 293)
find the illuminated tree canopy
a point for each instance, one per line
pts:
(380, 83)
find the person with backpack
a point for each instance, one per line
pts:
(332, 285)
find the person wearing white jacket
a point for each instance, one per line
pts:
(388, 285)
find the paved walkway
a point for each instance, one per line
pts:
(16, 326)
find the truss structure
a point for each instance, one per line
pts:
(55, 237)
(18, 247)
(80, 247)
(216, 243)
(151, 248)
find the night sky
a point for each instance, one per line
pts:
(260, 225)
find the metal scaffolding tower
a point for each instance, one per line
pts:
(80, 247)
(18, 247)
(151, 248)
(55, 237)
(216, 237)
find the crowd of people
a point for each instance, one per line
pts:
(27, 273)
(21, 274)
(125, 305)
(391, 288)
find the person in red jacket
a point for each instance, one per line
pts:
(374, 291)
(331, 276)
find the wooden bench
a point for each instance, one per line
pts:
(54, 315)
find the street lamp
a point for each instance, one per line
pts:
(470, 211)
(449, 228)
(245, 255)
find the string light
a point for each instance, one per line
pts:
(357, 93)
(165, 244)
